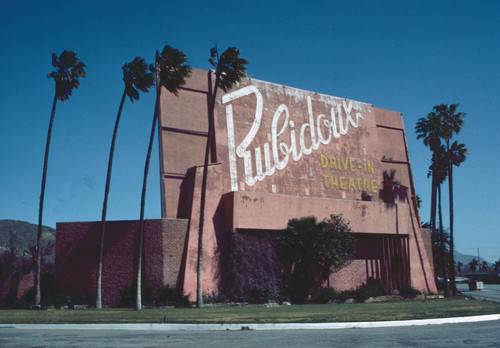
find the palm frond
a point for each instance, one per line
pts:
(173, 67)
(458, 153)
(68, 69)
(138, 76)
(229, 67)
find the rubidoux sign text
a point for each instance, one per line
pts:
(288, 141)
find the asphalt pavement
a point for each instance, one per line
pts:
(491, 292)
(471, 334)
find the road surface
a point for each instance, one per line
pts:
(490, 292)
(478, 334)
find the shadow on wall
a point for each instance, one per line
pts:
(392, 189)
(82, 249)
(77, 258)
(379, 256)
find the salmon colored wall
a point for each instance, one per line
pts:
(300, 188)
(278, 155)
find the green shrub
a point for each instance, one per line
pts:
(409, 292)
(128, 296)
(309, 251)
(343, 296)
(82, 298)
(325, 295)
(372, 288)
(10, 302)
(256, 295)
(360, 295)
(214, 297)
(28, 299)
(170, 296)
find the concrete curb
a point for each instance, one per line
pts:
(228, 327)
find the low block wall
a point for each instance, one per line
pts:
(16, 286)
(77, 256)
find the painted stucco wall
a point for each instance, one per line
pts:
(278, 153)
(283, 153)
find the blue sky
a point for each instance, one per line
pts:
(403, 56)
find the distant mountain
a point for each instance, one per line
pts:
(466, 259)
(22, 236)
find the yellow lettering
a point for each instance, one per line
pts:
(374, 186)
(324, 161)
(359, 183)
(351, 164)
(325, 176)
(333, 163)
(370, 167)
(345, 163)
(343, 184)
(351, 184)
(366, 185)
(334, 183)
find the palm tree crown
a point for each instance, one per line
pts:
(137, 75)
(451, 120)
(68, 70)
(173, 68)
(429, 129)
(229, 67)
(457, 153)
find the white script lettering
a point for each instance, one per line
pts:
(312, 134)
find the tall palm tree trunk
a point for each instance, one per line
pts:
(442, 245)
(433, 214)
(433, 198)
(199, 293)
(452, 248)
(38, 260)
(138, 304)
(98, 301)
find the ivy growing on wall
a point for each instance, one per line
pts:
(257, 265)
(249, 266)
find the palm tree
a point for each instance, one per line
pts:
(484, 265)
(496, 266)
(429, 129)
(137, 75)
(473, 265)
(229, 69)
(456, 155)
(438, 169)
(452, 122)
(68, 69)
(171, 73)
